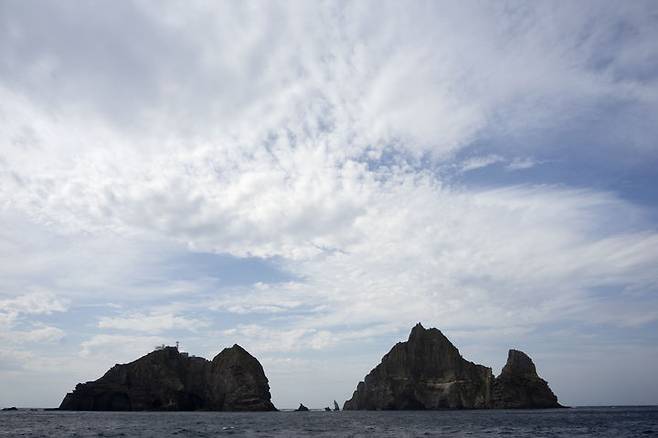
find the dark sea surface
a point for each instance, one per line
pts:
(617, 422)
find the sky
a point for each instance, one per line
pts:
(311, 179)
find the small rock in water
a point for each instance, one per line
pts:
(301, 408)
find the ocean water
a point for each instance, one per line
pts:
(620, 422)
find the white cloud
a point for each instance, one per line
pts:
(266, 339)
(151, 323)
(38, 333)
(261, 298)
(17, 328)
(470, 258)
(33, 303)
(521, 163)
(14, 310)
(12, 360)
(480, 162)
(121, 348)
(294, 181)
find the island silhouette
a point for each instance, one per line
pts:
(426, 372)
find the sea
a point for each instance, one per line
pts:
(617, 422)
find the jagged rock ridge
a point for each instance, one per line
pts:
(428, 372)
(167, 379)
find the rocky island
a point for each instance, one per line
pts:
(428, 372)
(168, 380)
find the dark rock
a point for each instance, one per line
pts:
(238, 381)
(13, 408)
(327, 409)
(301, 408)
(519, 386)
(166, 379)
(336, 408)
(427, 372)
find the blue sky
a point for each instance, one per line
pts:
(311, 179)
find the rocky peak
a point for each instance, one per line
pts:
(428, 372)
(421, 336)
(417, 330)
(167, 379)
(519, 385)
(519, 364)
(235, 352)
(240, 378)
(425, 372)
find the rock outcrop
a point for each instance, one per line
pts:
(428, 372)
(301, 408)
(166, 379)
(519, 386)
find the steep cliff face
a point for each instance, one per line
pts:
(427, 372)
(239, 382)
(168, 380)
(519, 386)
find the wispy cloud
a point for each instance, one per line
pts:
(480, 162)
(119, 347)
(521, 164)
(151, 323)
(37, 333)
(33, 303)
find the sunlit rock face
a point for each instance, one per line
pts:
(166, 379)
(428, 372)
